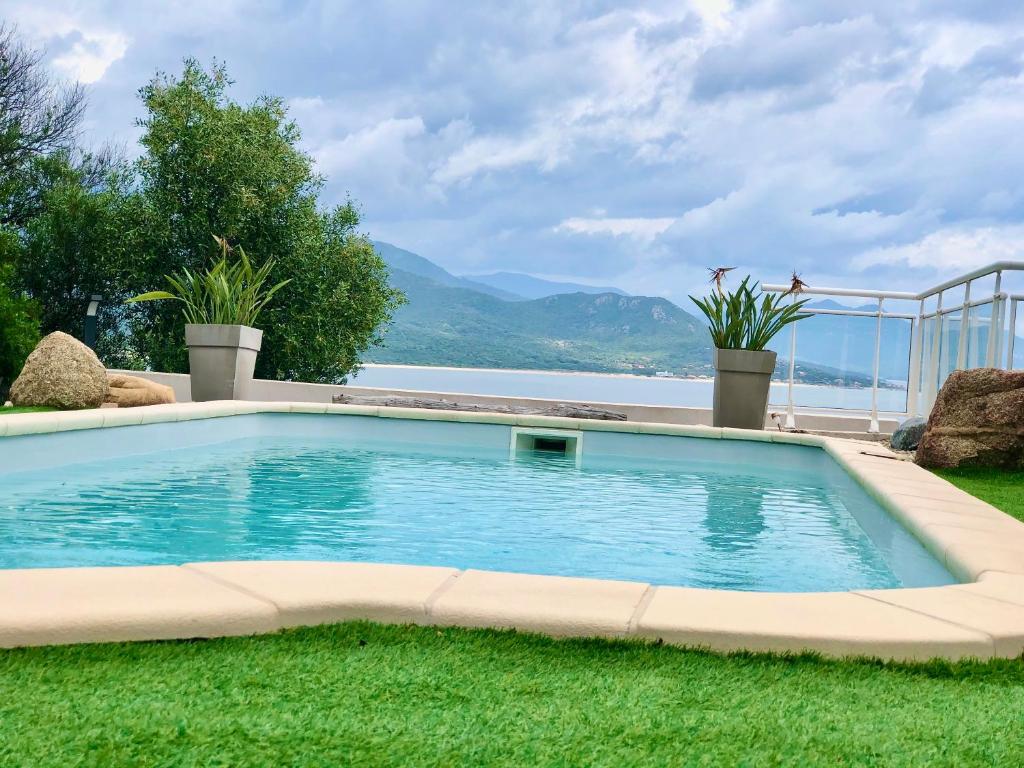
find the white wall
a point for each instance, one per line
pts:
(294, 391)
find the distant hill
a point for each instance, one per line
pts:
(407, 261)
(452, 325)
(451, 321)
(530, 287)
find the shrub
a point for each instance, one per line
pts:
(743, 319)
(228, 294)
(19, 330)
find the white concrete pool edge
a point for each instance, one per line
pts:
(982, 618)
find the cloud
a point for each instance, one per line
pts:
(91, 55)
(944, 87)
(768, 58)
(953, 250)
(378, 150)
(634, 141)
(544, 149)
(642, 229)
(81, 50)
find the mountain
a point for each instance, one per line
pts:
(452, 325)
(447, 322)
(407, 261)
(530, 287)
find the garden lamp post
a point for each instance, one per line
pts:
(90, 320)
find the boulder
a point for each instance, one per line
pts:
(977, 420)
(61, 373)
(132, 391)
(908, 435)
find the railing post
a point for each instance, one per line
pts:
(965, 326)
(873, 426)
(933, 362)
(996, 326)
(790, 412)
(1013, 334)
(916, 353)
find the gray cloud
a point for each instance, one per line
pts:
(944, 87)
(811, 135)
(770, 58)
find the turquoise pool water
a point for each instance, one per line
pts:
(690, 512)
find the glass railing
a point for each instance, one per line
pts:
(890, 352)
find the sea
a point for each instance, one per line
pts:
(613, 388)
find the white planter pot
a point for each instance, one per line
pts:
(221, 360)
(742, 380)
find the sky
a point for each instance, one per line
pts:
(862, 144)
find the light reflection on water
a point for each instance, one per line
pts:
(297, 498)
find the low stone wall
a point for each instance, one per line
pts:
(302, 392)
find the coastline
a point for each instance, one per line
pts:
(534, 371)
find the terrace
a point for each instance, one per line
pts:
(459, 566)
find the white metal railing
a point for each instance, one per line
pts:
(932, 331)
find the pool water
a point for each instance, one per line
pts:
(706, 523)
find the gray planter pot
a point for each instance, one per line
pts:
(221, 360)
(742, 379)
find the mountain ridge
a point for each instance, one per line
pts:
(453, 325)
(448, 321)
(407, 261)
(533, 287)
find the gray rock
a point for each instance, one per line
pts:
(909, 434)
(977, 421)
(133, 391)
(567, 410)
(61, 373)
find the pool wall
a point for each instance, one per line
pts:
(982, 618)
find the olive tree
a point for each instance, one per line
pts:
(212, 166)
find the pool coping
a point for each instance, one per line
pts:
(980, 618)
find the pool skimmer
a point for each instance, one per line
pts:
(568, 442)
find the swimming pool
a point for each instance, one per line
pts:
(663, 509)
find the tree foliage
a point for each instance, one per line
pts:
(87, 223)
(38, 117)
(83, 242)
(19, 322)
(213, 166)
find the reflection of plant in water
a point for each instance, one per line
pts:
(732, 521)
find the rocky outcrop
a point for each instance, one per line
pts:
(566, 410)
(61, 373)
(908, 435)
(977, 420)
(132, 391)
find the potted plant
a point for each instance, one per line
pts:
(742, 322)
(221, 306)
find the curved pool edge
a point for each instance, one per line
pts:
(983, 618)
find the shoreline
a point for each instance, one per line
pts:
(631, 376)
(615, 375)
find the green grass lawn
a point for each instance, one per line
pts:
(998, 487)
(9, 411)
(365, 694)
